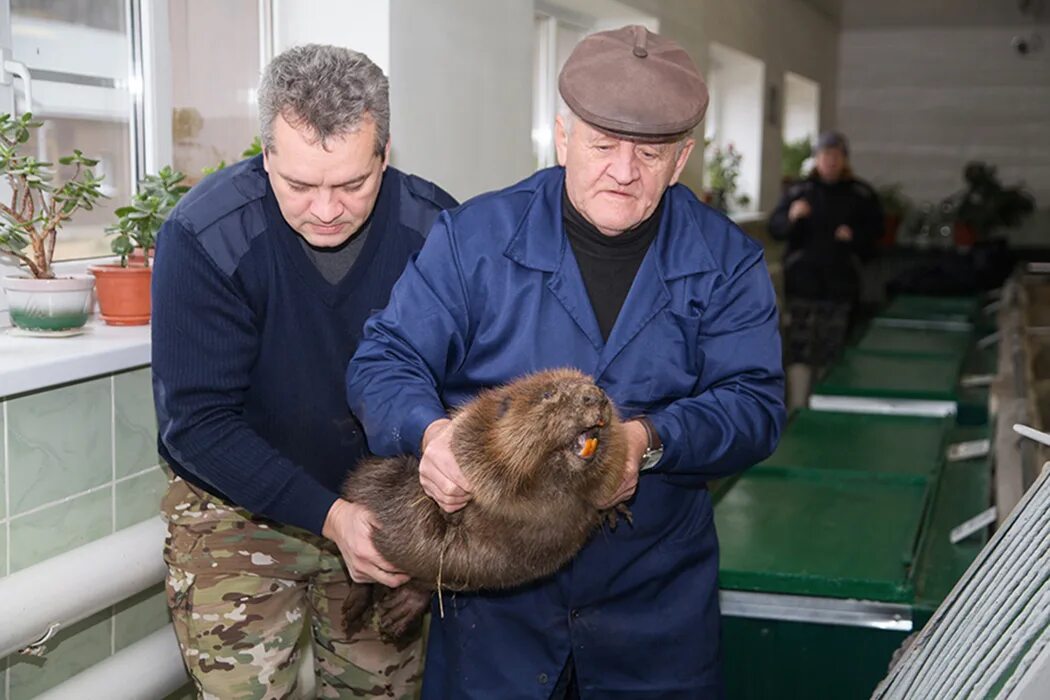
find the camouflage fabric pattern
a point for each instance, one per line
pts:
(240, 589)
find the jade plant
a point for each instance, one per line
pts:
(38, 207)
(254, 149)
(139, 222)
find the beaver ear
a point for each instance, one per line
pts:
(504, 406)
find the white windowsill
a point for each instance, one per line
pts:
(746, 217)
(30, 364)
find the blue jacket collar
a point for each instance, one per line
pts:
(539, 241)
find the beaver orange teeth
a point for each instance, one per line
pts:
(587, 443)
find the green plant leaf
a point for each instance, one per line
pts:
(254, 149)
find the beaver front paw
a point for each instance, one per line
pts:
(611, 516)
(399, 611)
(358, 602)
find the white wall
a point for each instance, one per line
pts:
(461, 91)
(919, 103)
(359, 25)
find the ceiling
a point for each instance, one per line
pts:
(829, 8)
(869, 14)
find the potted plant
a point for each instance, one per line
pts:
(793, 155)
(722, 170)
(124, 288)
(42, 303)
(254, 149)
(985, 205)
(895, 206)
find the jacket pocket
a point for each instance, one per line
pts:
(674, 356)
(696, 519)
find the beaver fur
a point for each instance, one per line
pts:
(526, 449)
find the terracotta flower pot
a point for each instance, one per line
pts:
(51, 306)
(965, 235)
(136, 259)
(123, 294)
(891, 223)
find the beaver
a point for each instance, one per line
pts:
(542, 453)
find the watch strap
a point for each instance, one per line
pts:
(655, 443)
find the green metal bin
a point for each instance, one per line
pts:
(879, 376)
(950, 345)
(836, 547)
(932, 312)
(881, 447)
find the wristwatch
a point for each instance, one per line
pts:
(654, 451)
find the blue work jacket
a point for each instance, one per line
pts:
(496, 293)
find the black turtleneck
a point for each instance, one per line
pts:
(608, 264)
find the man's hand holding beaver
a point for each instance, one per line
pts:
(439, 472)
(350, 526)
(637, 442)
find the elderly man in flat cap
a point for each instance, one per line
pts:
(606, 265)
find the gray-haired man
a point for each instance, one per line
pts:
(265, 274)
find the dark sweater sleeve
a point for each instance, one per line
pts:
(781, 228)
(869, 225)
(204, 346)
(779, 224)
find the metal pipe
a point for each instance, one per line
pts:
(37, 601)
(149, 668)
(19, 70)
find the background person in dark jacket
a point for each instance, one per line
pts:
(830, 221)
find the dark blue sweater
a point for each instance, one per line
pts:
(250, 343)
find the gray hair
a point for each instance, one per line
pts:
(328, 89)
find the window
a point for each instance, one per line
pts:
(735, 117)
(555, 40)
(213, 112)
(801, 115)
(135, 90)
(558, 28)
(84, 85)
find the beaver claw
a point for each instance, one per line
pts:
(611, 517)
(394, 613)
(357, 603)
(399, 612)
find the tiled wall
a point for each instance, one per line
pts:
(77, 462)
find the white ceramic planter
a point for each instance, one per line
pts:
(49, 306)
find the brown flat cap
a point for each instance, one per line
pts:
(634, 84)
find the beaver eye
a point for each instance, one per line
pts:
(548, 395)
(504, 407)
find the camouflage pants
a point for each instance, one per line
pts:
(240, 591)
